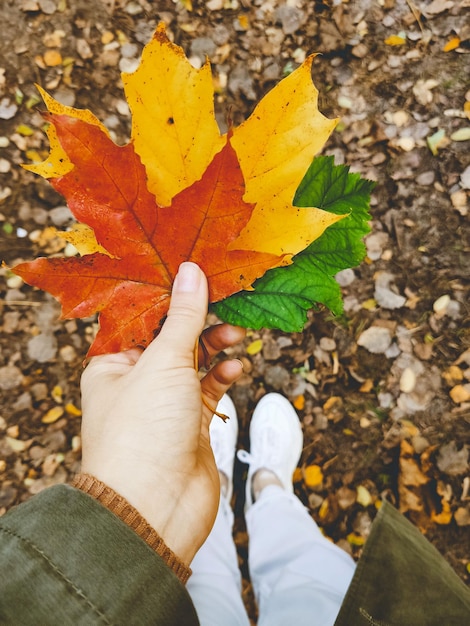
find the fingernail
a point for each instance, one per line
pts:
(241, 363)
(188, 278)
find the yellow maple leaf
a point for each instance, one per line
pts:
(83, 238)
(174, 129)
(275, 146)
(58, 163)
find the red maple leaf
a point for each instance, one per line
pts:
(107, 190)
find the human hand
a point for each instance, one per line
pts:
(145, 429)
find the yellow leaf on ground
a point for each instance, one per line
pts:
(57, 393)
(72, 409)
(332, 402)
(408, 500)
(24, 130)
(460, 393)
(355, 540)
(452, 374)
(297, 476)
(299, 402)
(52, 58)
(410, 473)
(107, 37)
(408, 429)
(367, 386)
(452, 44)
(53, 415)
(445, 516)
(395, 40)
(313, 476)
(169, 96)
(369, 305)
(254, 347)
(243, 21)
(324, 508)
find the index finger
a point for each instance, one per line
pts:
(218, 338)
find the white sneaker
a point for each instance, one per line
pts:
(276, 441)
(223, 437)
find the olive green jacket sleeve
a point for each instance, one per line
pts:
(65, 559)
(402, 580)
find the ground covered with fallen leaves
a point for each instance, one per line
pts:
(383, 392)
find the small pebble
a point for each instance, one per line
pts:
(465, 178)
(76, 443)
(425, 178)
(375, 339)
(407, 380)
(406, 143)
(122, 108)
(441, 305)
(15, 282)
(291, 18)
(462, 134)
(68, 354)
(327, 344)
(345, 277)
(5, 166)
(42, 348)
(215, 5)
(61, 215)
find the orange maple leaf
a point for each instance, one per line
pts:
(146, 243)
(177, 192)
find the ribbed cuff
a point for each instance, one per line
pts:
(130, 516)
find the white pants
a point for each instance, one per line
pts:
(298, 576)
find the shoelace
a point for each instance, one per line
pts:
(244, 456)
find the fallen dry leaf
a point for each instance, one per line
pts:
(53, 415)
(313, 476)
(460, 393)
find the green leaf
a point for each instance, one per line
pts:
(282, 297)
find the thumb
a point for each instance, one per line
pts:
(186, 315)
